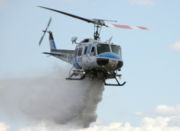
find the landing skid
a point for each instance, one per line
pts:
(81, 74)
(114, 75)
(118, 83)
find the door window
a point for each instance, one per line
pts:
(79, 51)
(93, 51)
(85, 50)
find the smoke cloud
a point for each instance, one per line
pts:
(51, 99)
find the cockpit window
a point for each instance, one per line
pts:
(101, 48)
(115, 49)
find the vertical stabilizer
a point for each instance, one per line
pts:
(51, 41)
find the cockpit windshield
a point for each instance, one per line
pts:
(101, 48)
(115, 49)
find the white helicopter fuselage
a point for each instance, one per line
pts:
(93, 54)
(91, 58)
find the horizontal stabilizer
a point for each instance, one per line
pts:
(54, 54)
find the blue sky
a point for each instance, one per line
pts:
(151, 58)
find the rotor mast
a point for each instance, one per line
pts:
(98, 23)
(97, 31)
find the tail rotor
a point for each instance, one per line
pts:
(42, 37)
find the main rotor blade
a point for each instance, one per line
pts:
(42, 37)
(68, 14)
(127, 27)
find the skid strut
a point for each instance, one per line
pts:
(114, 76)
(118, 83)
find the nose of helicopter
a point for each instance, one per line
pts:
(102, 61)
(109, 64)
(109, 61)
(120, 64)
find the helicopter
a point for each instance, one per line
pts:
(92, 57)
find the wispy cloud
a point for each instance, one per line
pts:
(3, 127)
(148, 124)
(175, 46)
(167, 110)
(143, 2)
(138, 113)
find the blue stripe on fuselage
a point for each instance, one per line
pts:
(109, 55)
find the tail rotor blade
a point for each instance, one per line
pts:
(42, 37)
